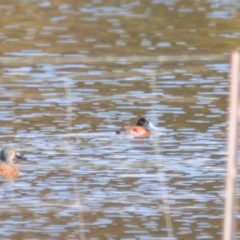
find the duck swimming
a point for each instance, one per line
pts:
(7, 167)
(141, 129)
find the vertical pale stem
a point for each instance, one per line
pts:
(230, 197)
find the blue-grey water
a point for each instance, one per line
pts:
(74, 72)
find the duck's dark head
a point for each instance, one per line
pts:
(144, 122)
(8, 154)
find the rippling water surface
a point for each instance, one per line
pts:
(82, 181)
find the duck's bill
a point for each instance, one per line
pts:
(151, 126)
(18, 156)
